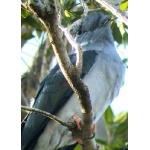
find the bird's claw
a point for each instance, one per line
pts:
(77, 120)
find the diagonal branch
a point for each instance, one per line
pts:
(49, 18)
(44, 113)
(121, 15)
(79, 59)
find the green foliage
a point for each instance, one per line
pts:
(33, 22)
(109, 115)
(27, 36)
(117, 130)
(71, 11)
(125, 38)
(124, 5)
(78, 147)
(120, 34)
(116, 32)
(24, 13)
(30, 24)
(68, 4)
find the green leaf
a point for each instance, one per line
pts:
(77, 14)
(122, 128)
(61, 1)
(38, 33)
(48, 51)
(121, 117)
(67, 13)
(101, 141)
(109, 115)
(121, 28)
(116, 32)
(78, 147)
(125, 38)
(29, 20)
(69, 4)
(24, 13)
(27, 36)
(91, 5)
(118, 144)
(124, 6)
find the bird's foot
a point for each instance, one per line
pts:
(93, 131)
(78, 122)
(78, 140)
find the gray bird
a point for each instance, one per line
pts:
(103, 73)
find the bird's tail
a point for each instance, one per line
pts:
(71, 147)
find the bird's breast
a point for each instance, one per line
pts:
(104, 81)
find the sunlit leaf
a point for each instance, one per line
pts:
(121, 28)
(121, 117)
(78, 147)
(61, 2)
(109, 115)
(24, 13)
(124, 6)
(67, 14)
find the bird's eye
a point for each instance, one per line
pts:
(79, 32)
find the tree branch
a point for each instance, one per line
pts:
(49, 18)
(44, 113)
(79, 59)
(121, 15)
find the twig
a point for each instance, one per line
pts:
(79, 60)
(114, 10)
(85, 7)
(44, 113)
(76, 46)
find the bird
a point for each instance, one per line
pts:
(102, 71)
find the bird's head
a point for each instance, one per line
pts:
(92, 28)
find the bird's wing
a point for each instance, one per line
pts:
(53, 93)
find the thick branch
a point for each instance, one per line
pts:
(70, 72)
(114, 10)
(79, 59)
(51, 23)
